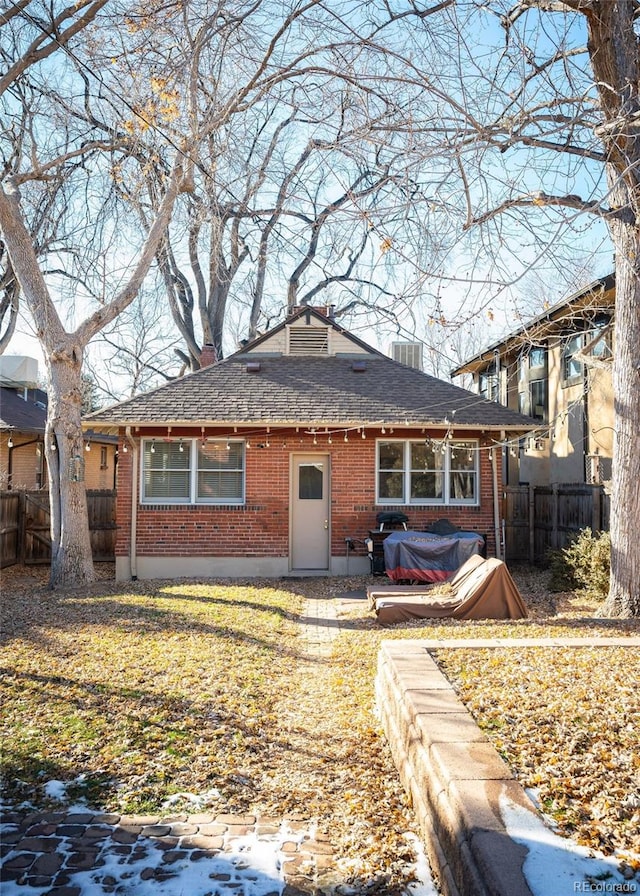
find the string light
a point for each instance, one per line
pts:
(87, 447)
(153, 446)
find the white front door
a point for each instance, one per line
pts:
(310, 533)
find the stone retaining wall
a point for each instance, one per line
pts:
(454, 777)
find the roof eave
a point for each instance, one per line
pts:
(112, 427)
(525, 334)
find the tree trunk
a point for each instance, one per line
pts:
(614, 56)
(624, 591)
(71, 560)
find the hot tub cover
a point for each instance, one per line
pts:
(426, 557)
(481, 589)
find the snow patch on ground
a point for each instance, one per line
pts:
(557, 865)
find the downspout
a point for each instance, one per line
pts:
(133, 548)
(586, 439)
(11, 447)
(496, 504)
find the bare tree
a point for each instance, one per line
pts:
(121, 97)
(50, 155)
(307, 179)
(136, 352)
(9, 299)
(539, 108)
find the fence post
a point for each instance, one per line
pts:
(22, 524)
(555, 511)
(532, 525)
(596, 508)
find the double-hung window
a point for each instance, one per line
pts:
(571, 365)
(533, 395)
(191, 471)
(488, 383)
(220, 472)
(431, 472)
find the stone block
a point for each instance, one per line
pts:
(500, 862)
(464, 761)
(443, 728)
(424, 702)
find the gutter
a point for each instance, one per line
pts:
(133, 547)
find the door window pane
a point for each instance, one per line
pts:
(310, 481)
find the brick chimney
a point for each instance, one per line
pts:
(208, 355)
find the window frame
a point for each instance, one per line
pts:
(488, 383)
(191, 498)
(531, 375)
(570, 379)
(446, 471)
(600, 340)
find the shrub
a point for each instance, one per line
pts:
(584, 564)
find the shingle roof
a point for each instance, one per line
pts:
(19, 415)
(310, 391)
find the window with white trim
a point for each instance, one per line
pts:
(220, 472)
(427, 472)
(190, 471)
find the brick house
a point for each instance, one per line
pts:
(277, 460)
(557, 369)
(23, 418)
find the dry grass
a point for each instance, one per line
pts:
(142, 692)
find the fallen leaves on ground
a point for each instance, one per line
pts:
(567, 722)
(138, 693)
(134, 695)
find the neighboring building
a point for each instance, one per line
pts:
(23, 417)
(277, 460)
(557, 368)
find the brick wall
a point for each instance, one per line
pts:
(260, 528)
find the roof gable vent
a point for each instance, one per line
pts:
(309, 341)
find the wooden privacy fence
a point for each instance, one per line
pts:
(538, 519)
(25, 523)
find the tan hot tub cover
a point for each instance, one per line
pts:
(480, 589)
